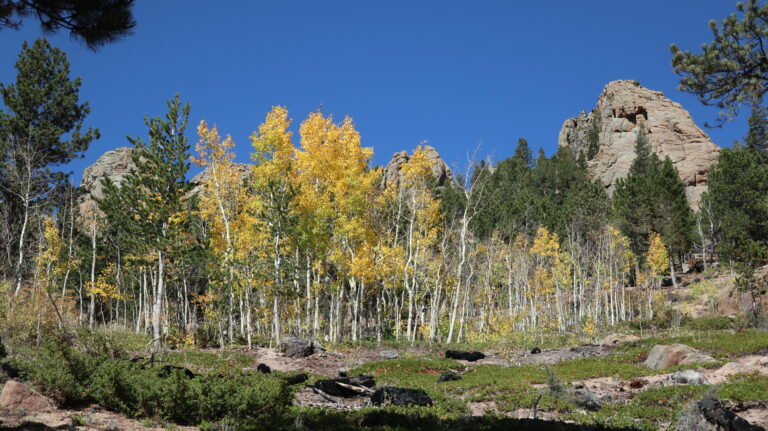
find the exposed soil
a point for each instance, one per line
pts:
(89, 419)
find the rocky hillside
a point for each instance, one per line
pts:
(622, 109)
(440, 169)
(114, 164)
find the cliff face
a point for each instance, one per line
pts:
(114, 164)
(440, 169)
(624, 107)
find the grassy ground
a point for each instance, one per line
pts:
(508, 389)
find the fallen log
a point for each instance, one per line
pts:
(333, 386)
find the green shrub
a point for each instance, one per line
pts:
(713, 323)
(92, 375)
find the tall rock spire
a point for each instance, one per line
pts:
(622, 109)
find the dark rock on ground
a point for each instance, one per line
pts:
(715, 413)
(295, 380)
(295, 347)
(9, 370)
(462, 355)
(394, 396)
(448, 376)
(263, 368)
(585, 399)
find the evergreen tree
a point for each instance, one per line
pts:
(738, 196)
(652, 198)
(149, 206)
(757, 136)
(41, 129)
(731, 70)
(593, 137)
(95, 22)
(634, 200)
(674, 217)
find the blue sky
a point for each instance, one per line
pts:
(458, 74)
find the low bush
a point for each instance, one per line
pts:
(91, 373)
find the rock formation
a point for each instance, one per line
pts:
(440, 169)
(624, 107)
(114, 164)
(198, 180)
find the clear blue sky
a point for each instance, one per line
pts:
(455, 73)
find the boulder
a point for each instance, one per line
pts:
(464, 356)
(394, 396)
(737, 368)
(17, 395)
(663, 356)
(389, 354)
(689, 377)
(295, 347)
(623, 109)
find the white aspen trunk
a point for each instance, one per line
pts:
(276, 319)
(22, 237)
(158, 306)
(92, 305)
(672, 271)
(248, 316)
(462, 258)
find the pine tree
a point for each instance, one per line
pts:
(93, 22)
(730, 70)
(634, 200)
(149, 206)
(738, 196)
(757, 136)
(41, 129)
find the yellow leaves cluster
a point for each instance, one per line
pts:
(273, 149)
(545, 244)
(657, 255)
(104, 287)
(210, 148)
(619, 246)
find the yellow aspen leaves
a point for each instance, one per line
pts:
(657, 255)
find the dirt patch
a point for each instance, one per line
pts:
(482, 408)
(89, 419)
(553, 356)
